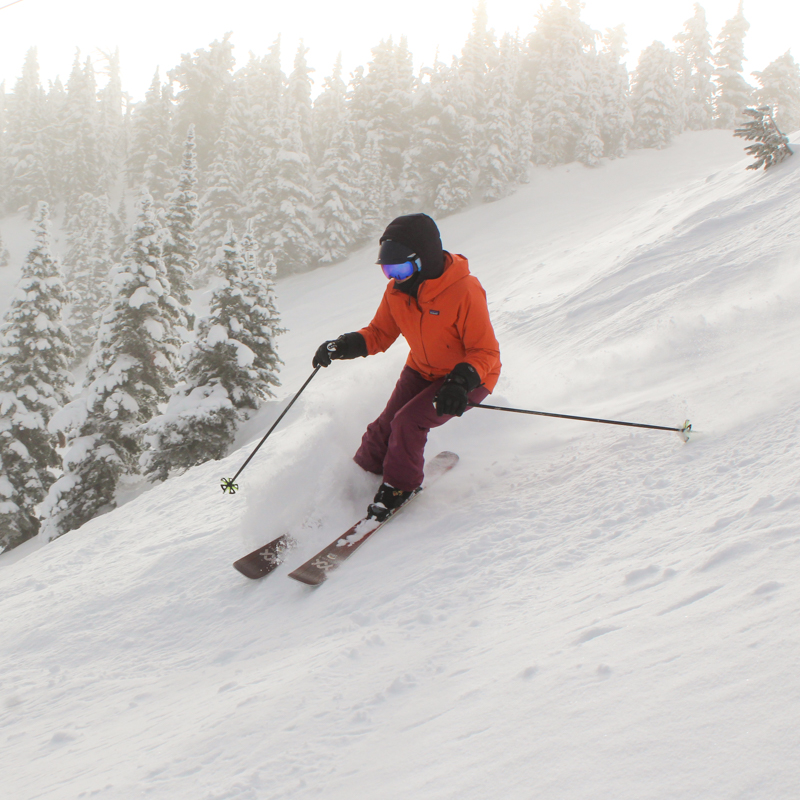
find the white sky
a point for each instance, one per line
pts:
(154, 33)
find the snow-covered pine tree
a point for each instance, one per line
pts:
(340, 200)
(246, 97)
(199, 423)
(5, 257)
(293, 242)
(770, 146)
(161, 164)
(230, 368)
(132, 369)
(779, 88)
(80, 153)
(3, 103)
(260, 321)
(76, 224)
(262, 85)
(180, 250)
(159, 173)
(376, 190)
(694, 51)
(655, 99)
(205, 79)
(455, 191)
(284, 200)
(221, 202)
(35, 351)
(427, 158)
(57, 104)
(119, 229)
(298, 98)
(616, 119)
(559, 84)
(55, 164)
(143, 315)
(380, 104)
(25, 167)
(264, 320)
(483, 95)
(93, 282)
(329, 111)
(87, 266)
(21, 485)
(439, 165)
(498, 151)
(358, 104)
(36, 343)
(733, 93)
(112, 124)
(470, 86)
(150, 161)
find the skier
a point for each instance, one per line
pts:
(440, 308)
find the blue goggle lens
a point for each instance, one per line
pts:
(399, 272)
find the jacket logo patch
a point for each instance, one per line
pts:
(435, 313)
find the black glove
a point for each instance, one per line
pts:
(348, 345)
(451, 398)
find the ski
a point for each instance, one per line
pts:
(316, 569)
(264, 560)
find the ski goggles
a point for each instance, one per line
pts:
(400, 272)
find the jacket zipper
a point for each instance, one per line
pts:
(421, 337)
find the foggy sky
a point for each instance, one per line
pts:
(153, 33)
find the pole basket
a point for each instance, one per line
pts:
(228, 486)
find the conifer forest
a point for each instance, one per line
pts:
(230, 176)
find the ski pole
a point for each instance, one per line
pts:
(683, 431)
(10, 4)
(228, 484)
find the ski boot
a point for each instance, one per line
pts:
(387, 500)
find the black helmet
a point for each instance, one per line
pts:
(413, 236)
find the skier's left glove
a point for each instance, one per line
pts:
(451, 399)
(348, 345)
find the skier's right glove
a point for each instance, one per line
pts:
(348, 345)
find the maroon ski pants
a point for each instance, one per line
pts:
(394, 443)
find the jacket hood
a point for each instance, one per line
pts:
(419, 233)
(456, 267)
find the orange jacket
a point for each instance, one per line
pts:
(447, 323)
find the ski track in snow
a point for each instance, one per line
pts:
(576, 611)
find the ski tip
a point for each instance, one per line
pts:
(261, 562)
(247, 570)
(313, 578)
(685, 431)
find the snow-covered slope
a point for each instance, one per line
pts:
(576, 611)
